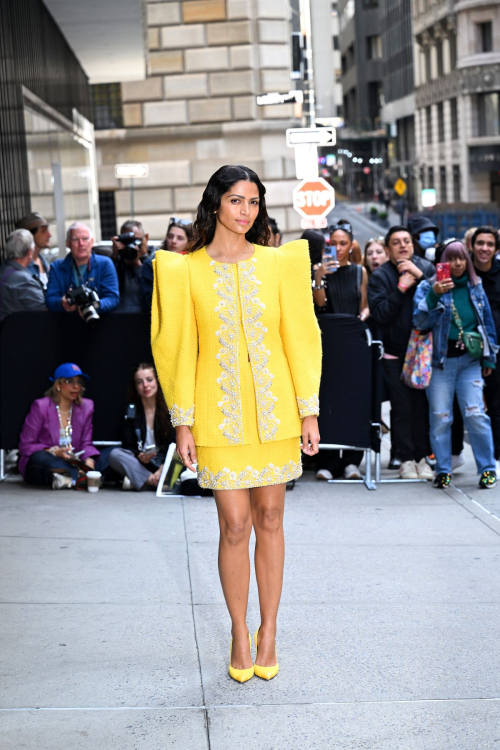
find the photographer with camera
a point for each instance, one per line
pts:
(147, 432)
(130, 250)
(82, 281)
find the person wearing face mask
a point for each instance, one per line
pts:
(485, 245)
(424, 234)
(457, 311)
(390, 297)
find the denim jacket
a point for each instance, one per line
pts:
(439, 320)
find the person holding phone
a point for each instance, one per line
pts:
(57, 429)
(454, 306)
(340, 286)
(147, 432)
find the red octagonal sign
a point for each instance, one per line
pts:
(314, 198)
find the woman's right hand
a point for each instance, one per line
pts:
(185, 447)
(328, 267)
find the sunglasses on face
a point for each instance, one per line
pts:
(181, 222)
(343, 227)
(70, 381)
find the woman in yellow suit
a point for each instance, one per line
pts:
(238, 354)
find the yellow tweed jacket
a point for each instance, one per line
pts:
(221, 330)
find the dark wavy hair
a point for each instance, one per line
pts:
(316, 242)
(456, 249)
(220, 183)
(162, 425)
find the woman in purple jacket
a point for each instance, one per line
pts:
(57, 426)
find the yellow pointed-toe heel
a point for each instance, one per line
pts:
(265, 673)
(240, 675)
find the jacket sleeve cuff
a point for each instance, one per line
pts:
(432, 299)
(308, 407)
(180, 416)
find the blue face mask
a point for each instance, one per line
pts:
(427, 239)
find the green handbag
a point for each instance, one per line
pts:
(472, 342)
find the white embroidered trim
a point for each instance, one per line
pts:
(252, 309)
(227, 335)
(180, 416)
(308, 406)
(249, 477)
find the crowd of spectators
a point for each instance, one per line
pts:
(391, 285)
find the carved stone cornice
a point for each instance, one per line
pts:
(446, 87)
(465, 81)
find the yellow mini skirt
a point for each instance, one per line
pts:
(245, 466)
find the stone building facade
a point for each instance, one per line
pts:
(196, 110)
(457, 118)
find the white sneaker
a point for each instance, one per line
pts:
(497, 467)
(126, 484)
(352, 472)
(424, 470)
(324, 474)
(408, 470)
(457, 461)
(61, 482)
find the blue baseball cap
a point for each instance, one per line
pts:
(68, 370)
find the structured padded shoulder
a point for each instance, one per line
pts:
(297, 249)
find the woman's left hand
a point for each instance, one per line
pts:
(487, 371)
(310, 436)
(90, 463)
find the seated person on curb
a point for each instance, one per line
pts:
(19, 290)
(390, 297)
(146, 435)
(128, 258)
(57, 426)
(457, 311)
(39, 228)
(82, 267)
(179, 234)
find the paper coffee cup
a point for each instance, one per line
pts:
(93, 481)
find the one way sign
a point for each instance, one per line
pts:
(310, 137)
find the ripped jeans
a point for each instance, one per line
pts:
(461, 375)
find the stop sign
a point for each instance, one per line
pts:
(313, 198)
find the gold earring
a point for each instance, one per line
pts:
(58, 389)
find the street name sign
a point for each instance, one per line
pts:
(274, 97)
(124, 171)
(313, 199)
(311, 136)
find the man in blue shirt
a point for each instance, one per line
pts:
(82, 266)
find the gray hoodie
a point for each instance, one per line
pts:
(19, 290)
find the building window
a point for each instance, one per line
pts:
(430, 177)
(373, 48)
(452, 43)
(343, 62)
(484, 37)
(427, 60)
(454, 119)
(439, 57)
(440, 114)
(336, 45)
(428, 124)
(488, 114)
(442, 185)
(456, 183)
(351, 57)
(107, 209)
(107, 105)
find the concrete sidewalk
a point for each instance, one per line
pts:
(115, 636)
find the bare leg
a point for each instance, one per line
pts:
(268, 505)
(235, 522)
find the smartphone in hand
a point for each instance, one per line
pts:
(330, 254)
(443, 272)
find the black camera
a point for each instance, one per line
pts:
(85, 299)
(131, 243)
